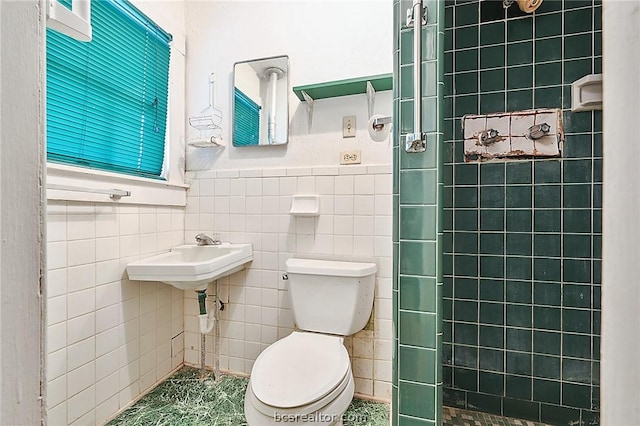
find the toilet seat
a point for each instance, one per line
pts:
(303, 370)
(318, 405)
(328, 415)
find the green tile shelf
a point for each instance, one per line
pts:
(351, 86)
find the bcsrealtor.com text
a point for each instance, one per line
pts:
(316, 417)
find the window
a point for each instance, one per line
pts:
(246, 123)
(74, 22)
(107, 98)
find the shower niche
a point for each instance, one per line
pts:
(260, 102)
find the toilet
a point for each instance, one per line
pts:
(305, 378)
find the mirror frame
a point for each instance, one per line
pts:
(286, 113)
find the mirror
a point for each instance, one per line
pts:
(261, 102)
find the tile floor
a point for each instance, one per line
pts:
(185, 400)
(458, 417)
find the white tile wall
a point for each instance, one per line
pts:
(109, 339)
(253, 206)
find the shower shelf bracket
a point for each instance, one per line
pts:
(309, 100)
(371, 98)
(353, 86)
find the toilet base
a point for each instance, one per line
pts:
(329, 415)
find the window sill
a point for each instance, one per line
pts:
(143, 191)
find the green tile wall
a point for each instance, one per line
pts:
(417, 237)
(522, 239)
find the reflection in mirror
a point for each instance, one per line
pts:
(261, 102)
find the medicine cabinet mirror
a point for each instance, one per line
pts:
(261, 102)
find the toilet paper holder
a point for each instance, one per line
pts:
(379, 127)
(379, 122)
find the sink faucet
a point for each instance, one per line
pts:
(205, 240)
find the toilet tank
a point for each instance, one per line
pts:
(330, 296)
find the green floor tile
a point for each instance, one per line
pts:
(185, 400)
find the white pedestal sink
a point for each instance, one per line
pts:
(191, 267)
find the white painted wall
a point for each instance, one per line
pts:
(620, 370)
(21, 227)
(325, 41)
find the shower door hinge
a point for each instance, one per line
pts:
(410, 14)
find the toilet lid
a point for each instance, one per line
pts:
(299, 369)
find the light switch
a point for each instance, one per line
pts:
(349, 126)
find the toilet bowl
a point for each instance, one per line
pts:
(306, 378)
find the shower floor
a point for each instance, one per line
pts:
(185, 400)
(458, 417)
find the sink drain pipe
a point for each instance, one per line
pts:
(207, 323)
(206, 320)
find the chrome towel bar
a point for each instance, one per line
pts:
(114, 194)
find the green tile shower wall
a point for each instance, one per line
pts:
(417, 236)
(522, 239)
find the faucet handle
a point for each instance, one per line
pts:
(537, 131)
(488, 137)
(203, 239)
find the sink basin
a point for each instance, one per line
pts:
(191, 267)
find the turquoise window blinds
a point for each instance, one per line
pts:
(246, 123)
(107, 98)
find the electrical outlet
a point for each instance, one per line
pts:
(349, 126)
(350, 157)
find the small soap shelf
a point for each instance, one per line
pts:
(211, 142)
(586, 93)
(351, 86)
(305, 205)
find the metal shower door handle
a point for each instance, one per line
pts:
(417, 16)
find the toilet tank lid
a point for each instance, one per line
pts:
(334, 268)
